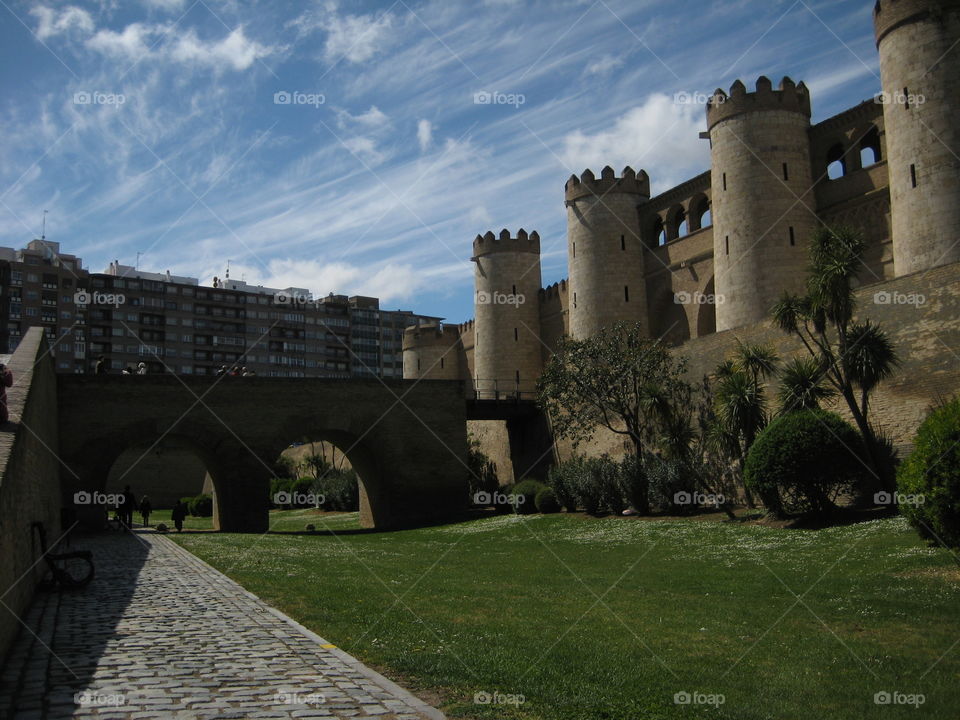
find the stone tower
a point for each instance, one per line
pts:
(920, 73)
(604, 251)
(431, 352)
(507, 338)
(763, 205)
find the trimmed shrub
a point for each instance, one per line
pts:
(634, 482)
(668, 478)
(525, 493)
(802, 460)
(546, 501)
(932, 473)
(201, 506)
(607, 477)
(587, 485)
(340, 490)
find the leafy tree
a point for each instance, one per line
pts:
(854, 357)
(802, 386)
(622, 381)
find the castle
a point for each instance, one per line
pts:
(714, 253)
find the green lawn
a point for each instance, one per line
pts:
(280, 520)
(610, 618)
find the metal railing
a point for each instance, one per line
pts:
(504, 390)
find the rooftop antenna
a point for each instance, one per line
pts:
(43, 232)
(227, 276)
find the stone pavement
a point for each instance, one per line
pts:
(161, 634)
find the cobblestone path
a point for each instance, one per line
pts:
(160, 634)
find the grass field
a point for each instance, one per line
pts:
(612, 618)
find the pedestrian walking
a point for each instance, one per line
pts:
(145, 509)
(127, 507)
(142, 368)
(101, 366)
(178, 513)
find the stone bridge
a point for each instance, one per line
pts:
(406, 440)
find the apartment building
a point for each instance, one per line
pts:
(174, 324)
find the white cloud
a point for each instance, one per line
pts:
(164, 4)
(356, 38)
(235, 50)
(373, 118)
(659, 135)
(604, 64)
(366, 149)
(51, 23)
(131, 43)
(424, 134)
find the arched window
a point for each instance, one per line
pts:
(699, 213)
(836, 163)
(659, 232)
(870, 148)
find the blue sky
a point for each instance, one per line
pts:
(160, 127)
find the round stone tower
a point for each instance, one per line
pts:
(431, 352)
(763, 205)
(920, 73)
(604, 251)
(507, 355)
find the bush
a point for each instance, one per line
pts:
(932, 471)
(667, 477)
(634, 481)
(201, 506)
(562, 479)
(340, 490)
(586, 485)
(525, 493)
(546, 501)
(802, 460)
(483, 472)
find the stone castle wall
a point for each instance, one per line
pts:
(29, 478)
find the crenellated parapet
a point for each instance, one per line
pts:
(790, 96)
(630, 182)
(504, 242)
(888, 15)
(554, 291)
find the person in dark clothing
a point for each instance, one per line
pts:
(178, 514)
(127, 508)
(145, 509)
(101, 367)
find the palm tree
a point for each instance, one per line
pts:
(853, 357)
(802, 386)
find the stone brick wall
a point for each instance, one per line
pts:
(29, 477)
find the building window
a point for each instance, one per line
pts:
(786, 173)
(516, 335)
(724, 181)
(623, 242)
(793, 239)
(913, 175)
(726, 242)
(626, 293)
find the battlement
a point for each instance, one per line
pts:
(429, 334)
(630, 181)
(490, 243)
(553, 291)
(888, 15)
(789, 96)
